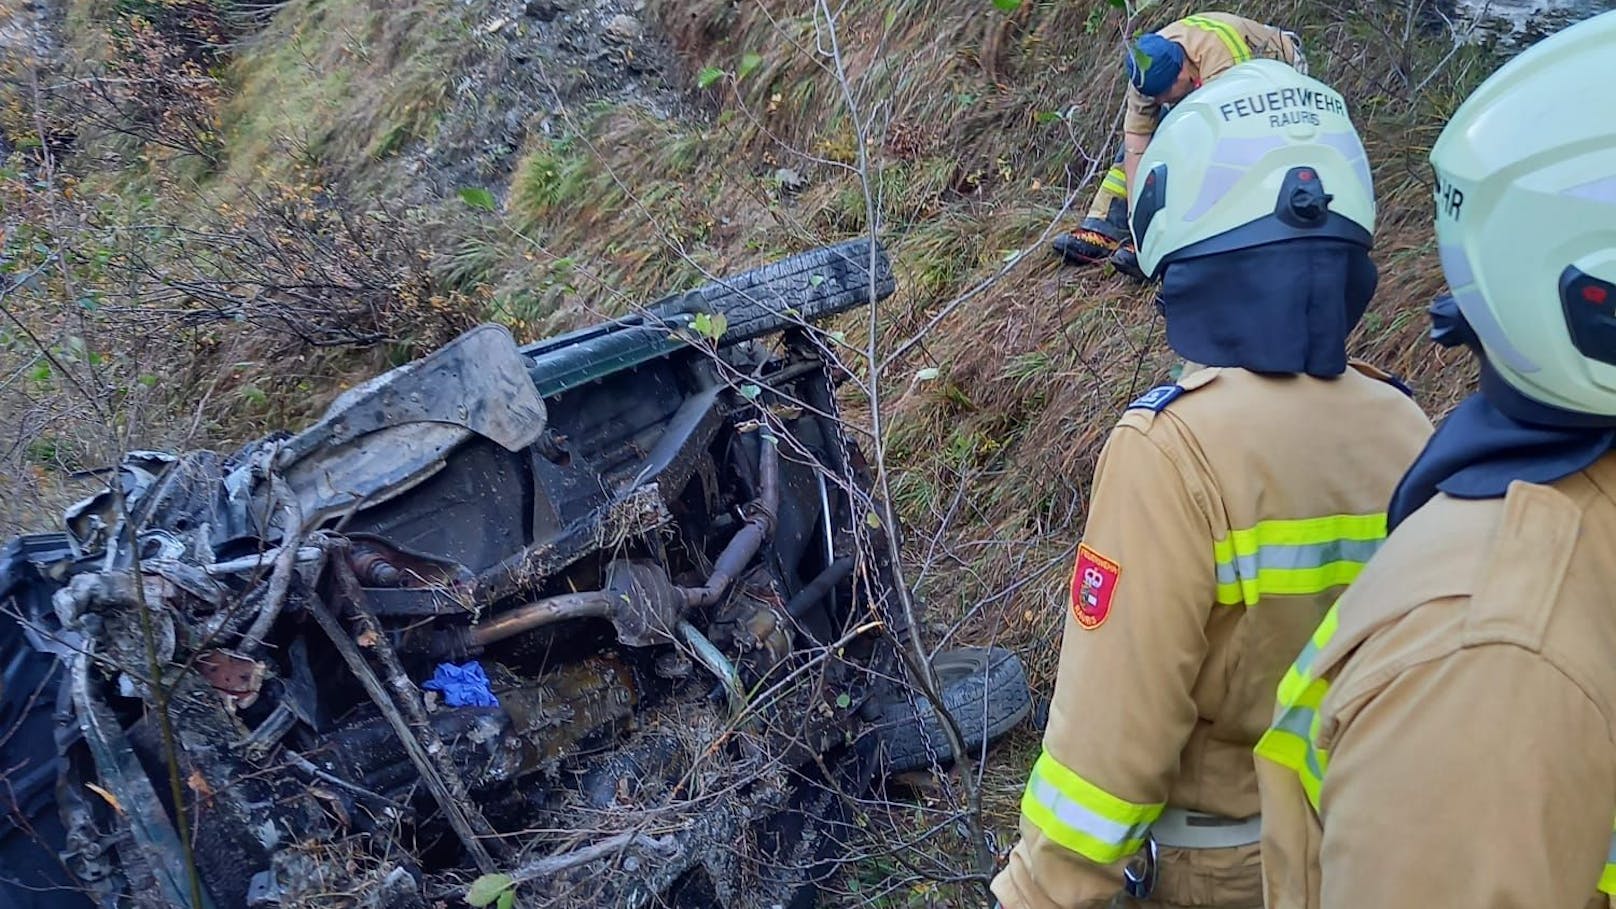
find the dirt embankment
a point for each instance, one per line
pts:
(537, 63)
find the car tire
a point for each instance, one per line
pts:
(983, 688)
(804, 287)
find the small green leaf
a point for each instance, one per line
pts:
(710, 325)
(749, 62)
(750, 391)
(927, 374)
(1007, 6)
(873, 520)
(1047, 116)
(842, 700)
(477, 197)
(488, 888)
(148, 380)
(1140, 59)
(507, 899)
(89, 303)
(815, 280)
(708, 76)
(254, 395)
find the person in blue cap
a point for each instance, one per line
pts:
(1164, 66)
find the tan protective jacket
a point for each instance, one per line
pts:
(1223, 523)
(1465, 696)
(1213, 42)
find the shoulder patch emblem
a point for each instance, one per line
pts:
(1157, 398)
(1094, 585)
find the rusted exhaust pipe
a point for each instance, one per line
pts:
(744, 545)
(586, 605)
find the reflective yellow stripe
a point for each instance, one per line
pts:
(1292, 741)
(1231, 39)
(1294, 557)
(1115, 182)
(1291, 687)
(1083, 817)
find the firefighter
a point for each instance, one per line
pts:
(1229, 508)
(1163, 67)
(1448, 737)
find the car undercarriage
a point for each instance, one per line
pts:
(602, 619)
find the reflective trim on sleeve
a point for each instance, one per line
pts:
(1115, 182)
(1292, 741)
(1296, 677)
(1294, 557)
(1083, 817)
(1238, 49)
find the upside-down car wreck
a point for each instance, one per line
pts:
(603, 613)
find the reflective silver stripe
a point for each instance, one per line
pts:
(1304, 660)
(1292, 556)
(1082, 819)
(1184, 829)
(1298, 721)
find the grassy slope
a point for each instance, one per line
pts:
(992, 458)
(985, 125)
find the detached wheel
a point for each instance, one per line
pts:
(983, 688)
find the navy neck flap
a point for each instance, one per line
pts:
(1495, 436)
(1282, 307)
(1479, 450)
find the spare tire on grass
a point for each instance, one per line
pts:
(983, 688)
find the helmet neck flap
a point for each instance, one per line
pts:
(1283, 307)
(1495, 436)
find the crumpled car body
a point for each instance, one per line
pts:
(601, 612)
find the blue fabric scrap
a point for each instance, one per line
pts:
(462, 686)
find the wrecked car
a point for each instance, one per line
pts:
(601, 620)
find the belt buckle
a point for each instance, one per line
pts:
(1139, 877)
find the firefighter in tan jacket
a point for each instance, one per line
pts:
(1229, 508)
(1163, 67)
(1448, 737)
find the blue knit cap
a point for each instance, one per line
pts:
(1162, 59)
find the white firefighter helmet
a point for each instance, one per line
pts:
(1259, 155)
(1526, 218)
